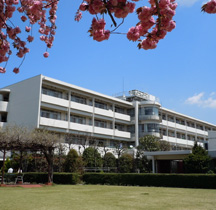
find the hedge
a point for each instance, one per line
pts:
(58, 178)
(157, 180)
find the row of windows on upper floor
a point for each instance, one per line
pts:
(179, 135)
(184, 122)
(82, 100)
(90, 141)
(82, 120)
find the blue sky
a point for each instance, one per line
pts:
(180, 71)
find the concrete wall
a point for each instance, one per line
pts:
(24, 99)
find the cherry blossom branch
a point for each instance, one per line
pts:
(110, 14)
(118, 25)
(159, 16)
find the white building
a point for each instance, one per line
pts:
(43, 102)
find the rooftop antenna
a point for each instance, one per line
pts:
(123, 88)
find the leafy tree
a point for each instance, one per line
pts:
(109, 160)
(148, 143)
(125, 163)
(92, 157)
(198, 161)
(73, 162)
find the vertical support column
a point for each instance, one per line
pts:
(136, 123)
(153, 165)
(175, 133)
(69, 104)
(196, 132)
(93, 115)
(113, 122)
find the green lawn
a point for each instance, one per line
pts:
(96, 197)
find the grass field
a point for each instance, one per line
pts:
(89, 197)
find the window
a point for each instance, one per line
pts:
(51, 92)
(170, 118)
(119, 110)
(77, 119)
(100, 105)
(119, 127)
(78, 99)
(51, 114)
(152, 127)
(100, 123)
(131, 112)
(163, 116)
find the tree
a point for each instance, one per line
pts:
(125, 163)
(147, 32)
(92, 157)
(109, 160)
(73, 163)
(148, 143)
(46, 142)
(198, 161)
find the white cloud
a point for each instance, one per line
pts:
(187, 3)
(200, 100)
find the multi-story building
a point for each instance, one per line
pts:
(43, 102)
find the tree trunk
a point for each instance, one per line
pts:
(3, 166)
(49, 158)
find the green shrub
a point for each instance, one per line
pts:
(157, 180)
(109, 160)
(58, 178)
(92, 157)
(73, 163)
(66, 178)
(125, 163)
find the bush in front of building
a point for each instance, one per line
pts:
(125, 163)
(109, 160)
(157, 180)
(197, 162)
(73, 162)
(92, 157)
(58, 178)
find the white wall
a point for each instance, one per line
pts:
(23, 106)
(211, 140)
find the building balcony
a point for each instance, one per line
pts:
(122, 134)
(124, 117)
(54, 100)
(104, 112)
(53, 123)
(175, 140)
(81, 127)
(104, 131)
(3, 106)
(152, 133)
(81, 107)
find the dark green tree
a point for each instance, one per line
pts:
(109, 160)
(73, 162)
(148, 143)
(197, 162)
(126, 163)
(92, 157)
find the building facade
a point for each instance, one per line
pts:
(82, 114)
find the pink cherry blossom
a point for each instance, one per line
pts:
(46, 54)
